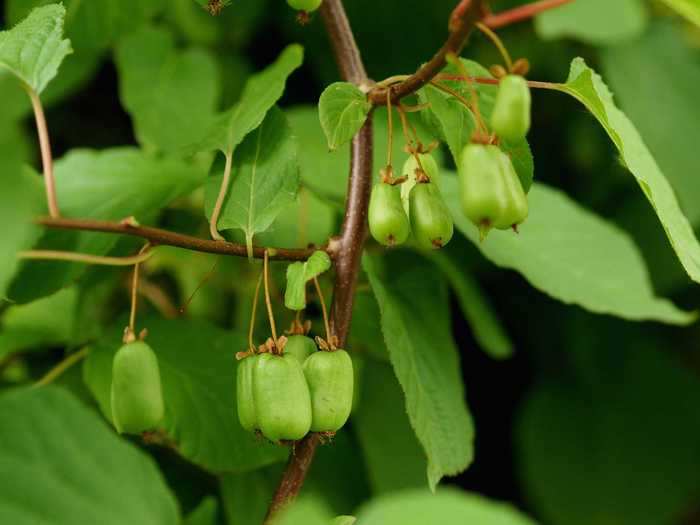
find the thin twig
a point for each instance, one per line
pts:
(158, 236)
(502, 49)
(223, 189)
(46, 157)
(134, 292)
(462, 21)
(61, 367)
(519, 14)
(329, 339)
(253, 311)
(51, 255)
(390, 125)
(268, 301)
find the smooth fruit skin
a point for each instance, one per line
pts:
(430, 168)
(304, 5)
(282, 398)
(330, 378)
(431, 221)
(300, 347)
(517, 209)
(388, 221)
(483, 190)
(245, 400)
(136, 393)
(510, 119)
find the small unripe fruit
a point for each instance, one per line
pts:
(282, 399)
(304, 5)
(517, 209)
(136, 393)
(300, 346)
(431, 221)
(330, 379)
(388, 222)
(510, 119)
(245, 400)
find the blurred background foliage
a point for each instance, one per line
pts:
(594, 420)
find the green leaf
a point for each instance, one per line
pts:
(487, 328)
(204, 514)
(260, 94)
(577, 470)
(690, 9)
(246, 495)
(662, 53)
(21, 199)
(392, 464)
(95, 25)
(34, 49)
(307, 221)
(198, 372)
(45, 322)
(110, 184)
(67, 467)
(574, 256)
(265, 179)
(587, 87)
(300, 273)
(170, 94)
(344, 520)
(308, 510)
(342, 109)
(598, 22)
(417, 507)
(415, 322)
(451, 122)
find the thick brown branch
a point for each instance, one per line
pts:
(462, 21)
(164, 237)
(349, 247)
(525, 12)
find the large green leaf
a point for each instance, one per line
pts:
(688, 8)
(265, 179)
(94, 25)
(662, 53)
(598, 22)
(300, 273)
(111, 184)
(21, 199)
(198, 371)
(204, 514)
(487, 328)
(587, 87)
(392, 464)
(448, 506)
(246, 495)
(621, 448)
(170, 94)
(342, 109)
(415, 322)
(451, 122)
(34, 49)
(260, 94)
(574, 256)
(61, 465)
(48, 321)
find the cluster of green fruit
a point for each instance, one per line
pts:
(284, 396)
(491, 193)
(136, 393)
(411, 204)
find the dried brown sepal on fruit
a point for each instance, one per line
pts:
(297, 327)
(327, 346)
(272, 347)
(215, 7)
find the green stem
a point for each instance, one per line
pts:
(61, 367)
(84, 257)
